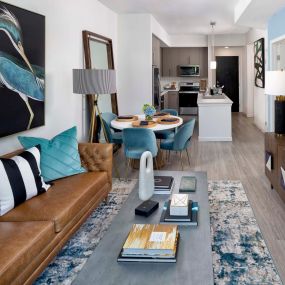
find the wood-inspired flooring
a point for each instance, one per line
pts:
(242, 159)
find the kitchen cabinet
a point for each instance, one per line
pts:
(171, 100)
(156, 52)
(169, 62)
(173, 57)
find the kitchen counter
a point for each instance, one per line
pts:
(215, 118)
(165, 91)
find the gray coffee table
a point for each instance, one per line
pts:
(194, 261)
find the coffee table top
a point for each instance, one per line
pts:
(194, 260)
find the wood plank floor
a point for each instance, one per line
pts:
(242, 159)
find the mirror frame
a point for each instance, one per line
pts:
(87, 37)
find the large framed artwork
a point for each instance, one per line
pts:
(259, 64)
(22, 69)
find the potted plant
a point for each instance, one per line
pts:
(149, 111)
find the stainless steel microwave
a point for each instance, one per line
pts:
(188, 70)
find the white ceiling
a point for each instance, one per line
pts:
(184, 16)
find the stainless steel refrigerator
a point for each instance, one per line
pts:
(155, 87)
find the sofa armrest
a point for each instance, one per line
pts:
(97, 157)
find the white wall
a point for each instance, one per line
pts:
(134, 62)
(65, 21)
(259, 98)
(188, 40)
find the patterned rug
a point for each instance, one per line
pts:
(240, 255)
(70, 260)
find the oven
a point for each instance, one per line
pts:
(188, 95)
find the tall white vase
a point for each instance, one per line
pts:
(146, 179)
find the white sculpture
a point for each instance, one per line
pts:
(146, 179)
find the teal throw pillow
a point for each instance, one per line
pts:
(59, 156)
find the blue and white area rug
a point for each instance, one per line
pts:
(240, 255)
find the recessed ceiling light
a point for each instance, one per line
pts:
(227, 47)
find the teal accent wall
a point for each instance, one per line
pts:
(276, 25)
(276, 29)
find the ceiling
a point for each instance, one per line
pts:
(184, 16)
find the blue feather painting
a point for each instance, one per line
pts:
(22, 69)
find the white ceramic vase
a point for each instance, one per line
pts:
(146, 179)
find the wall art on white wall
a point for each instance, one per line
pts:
(22, 69)
(259, 64)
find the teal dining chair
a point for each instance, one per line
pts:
(136, 141)
(180, 141)
(162, 135)
(112, 136)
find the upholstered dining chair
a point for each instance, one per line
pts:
(112, 136)
(162, 135)
(180, 141)
(136, 141)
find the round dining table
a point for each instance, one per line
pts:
(158, 127)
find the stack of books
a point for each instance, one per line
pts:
(163, 184)
(151, 243)
(187, 184)
(176, 213)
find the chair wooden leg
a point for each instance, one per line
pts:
(181, 159)
(156, 164)
(127, 169)
(188, 156)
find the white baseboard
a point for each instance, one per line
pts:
(215, 139)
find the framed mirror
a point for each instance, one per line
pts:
(98, 52)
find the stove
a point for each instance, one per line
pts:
(188, 94)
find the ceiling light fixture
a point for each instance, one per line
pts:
(213, 63)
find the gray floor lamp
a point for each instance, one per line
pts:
(97, 82)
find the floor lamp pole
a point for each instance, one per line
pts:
(93, 116)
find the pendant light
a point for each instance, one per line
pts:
(213, 63)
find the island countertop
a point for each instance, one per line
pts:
(202, 100)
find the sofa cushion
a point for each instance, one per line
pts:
(21, 179)
(65, 199)
(20, 243)
(59, 156)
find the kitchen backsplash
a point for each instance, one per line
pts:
(168, 80)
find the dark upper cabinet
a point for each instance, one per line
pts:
(173, 57)
(156, 52)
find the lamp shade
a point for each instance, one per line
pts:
(94, 81)
(275, 83)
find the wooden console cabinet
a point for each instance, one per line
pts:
(275, 147)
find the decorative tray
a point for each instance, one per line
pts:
(161, 115)
(144, 124)
(168, 121)
(130, 118)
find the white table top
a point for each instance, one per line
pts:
(123, 125)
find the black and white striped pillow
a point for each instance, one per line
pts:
(20, 179)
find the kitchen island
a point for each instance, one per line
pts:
(215, 118)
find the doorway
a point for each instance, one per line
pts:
(227, 75)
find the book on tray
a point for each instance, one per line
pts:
(188, 184)
(190, 220)
(163, 184)
(150, 243)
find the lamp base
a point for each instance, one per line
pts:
(280, 115)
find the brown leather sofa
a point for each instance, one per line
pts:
(33, 233)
